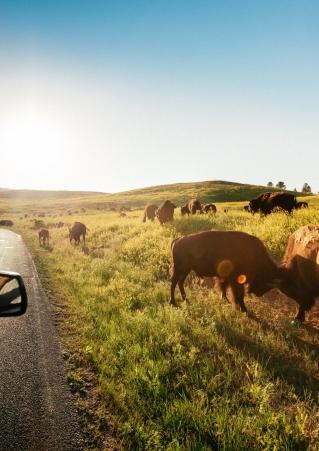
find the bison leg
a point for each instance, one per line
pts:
(220, 288)
(181, 281)
(177, 279)
(174, 281)
(303, 307)
(236, 296)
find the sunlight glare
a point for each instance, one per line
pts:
(32, 135)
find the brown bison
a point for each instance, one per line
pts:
(78, 229)
(44, 237)
(301, 260)
(206, 208)
(240, 262)
(247, 208)
(59, 224)
(267, 202)
(150, 212)
(300, 205)
(38, 224)
(6, 222)
(165, 212)
(194, 205)
(185, 210)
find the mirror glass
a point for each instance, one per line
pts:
(11, 295)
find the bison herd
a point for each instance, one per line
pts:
(165, 212)
(237, 262)
(266, 203)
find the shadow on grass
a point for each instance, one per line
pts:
(47, 247)
(293, 338)
(277, 364)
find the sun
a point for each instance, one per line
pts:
(29, 130)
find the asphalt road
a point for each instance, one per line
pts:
(37, 411)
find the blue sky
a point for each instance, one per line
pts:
(123, 94)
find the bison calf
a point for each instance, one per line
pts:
(150, 212)
(239, 261)
(301, 261)
(209, 207)
(44, 237)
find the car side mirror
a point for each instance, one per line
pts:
(13, 295)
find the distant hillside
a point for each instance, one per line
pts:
(207, 191)
(29, 194)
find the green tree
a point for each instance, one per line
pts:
(306, 188)
(281, 185)
(270, 184)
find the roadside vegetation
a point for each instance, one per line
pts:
(196, 377)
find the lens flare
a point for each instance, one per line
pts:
(242, 279)
(224, 268)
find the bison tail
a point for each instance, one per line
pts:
(144, 218)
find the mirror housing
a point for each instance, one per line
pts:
(13, 295)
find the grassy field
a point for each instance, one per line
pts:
(197, 377)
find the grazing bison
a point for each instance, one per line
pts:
(165, 212)
(239, 261)
(44, 237)
(185, 210)
(6, 222)
(38, 224)
(59, 224)
(300, 205)
(267, 202)
(209, 207)
(247, 208)
(301, 260)
(150, 212)
(194, 205)
(78, 229)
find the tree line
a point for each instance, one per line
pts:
(306, 188)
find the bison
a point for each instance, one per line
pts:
(267, 202)
(301, 260)
(165, 212)
(150, 212)
(44, 237)
(78, 229)
(185, 210)
(59, 224)
(206, 208)
(241, 263)
(194, 205)
(6, 222)
(38, 224)
(300, 205)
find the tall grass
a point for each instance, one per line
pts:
(197, 377)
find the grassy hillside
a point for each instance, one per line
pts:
(197, 377)
(209, 191)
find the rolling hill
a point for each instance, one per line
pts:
(206, 191)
